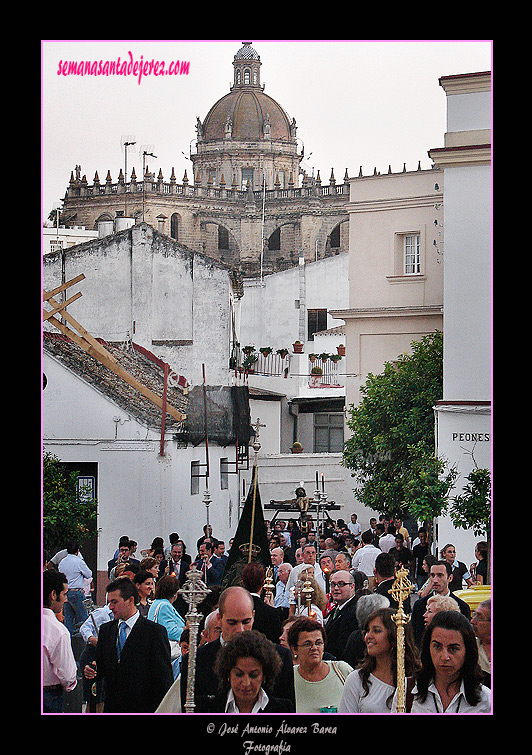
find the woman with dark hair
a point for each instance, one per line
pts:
(371, 687)
(450, 678)
(247, 667)
(480, 567)
(145, 586)
(318, 683)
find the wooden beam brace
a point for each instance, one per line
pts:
(93, 347)
(55, 310)
(48, 294)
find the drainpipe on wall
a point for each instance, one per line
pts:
(302, 301)
(293, 410)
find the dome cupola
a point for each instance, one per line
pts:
(246, 132)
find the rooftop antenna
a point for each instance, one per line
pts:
(145, 150)
(125, 142)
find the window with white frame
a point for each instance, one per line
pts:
(195, 474)
(412, 263)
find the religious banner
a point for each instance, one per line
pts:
(250, 542)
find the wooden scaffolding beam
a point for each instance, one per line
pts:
(79, 335)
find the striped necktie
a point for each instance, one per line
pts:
(121, 637)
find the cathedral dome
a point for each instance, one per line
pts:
(249, 112)
(246, 113)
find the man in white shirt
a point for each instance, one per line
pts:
(354, 528)
(364, 558)
(282, 593)
(309, 559)
(89, 630)
(387, 541)
(59, 664)
(277, 557)
(76, 571)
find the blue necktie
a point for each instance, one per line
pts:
(121, 637)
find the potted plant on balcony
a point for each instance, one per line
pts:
(249, 361)
(312, 357)
(315, 377)
(335, 357)
(282, 353)
(266, 351)
(296, 448)
(324, 356)
(298, 347)
(341, 350)
(248, 350)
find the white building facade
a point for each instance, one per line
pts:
(463, 417)
(395, 270)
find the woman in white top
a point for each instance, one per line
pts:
(371, 687)
(450, 677)
(318, 684)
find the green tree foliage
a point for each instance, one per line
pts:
(391, 452)
(66, 515)
(472, 509)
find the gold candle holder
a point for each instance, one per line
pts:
(400, 591)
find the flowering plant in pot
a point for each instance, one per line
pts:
(298, 347)
(315, 376)
(341, 350)
(282, 352)
(297, 448)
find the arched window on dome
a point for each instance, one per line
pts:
(174, 226)
(238, 76)
(247, 76)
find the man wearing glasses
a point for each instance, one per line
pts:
(341, 620)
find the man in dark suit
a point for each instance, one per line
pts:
(384, 572)
(132, 655)
(441, 575)
(373, 532)
(236, 615)
(267, 619)
(341, 620)
(212, 568)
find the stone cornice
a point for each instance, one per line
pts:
(466, 83)
(378, 312)
(474, 154)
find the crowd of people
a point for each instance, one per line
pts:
(317, 636)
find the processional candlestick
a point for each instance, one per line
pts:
(193, 591)
(269, 587)
(307, 594)
(400, 591)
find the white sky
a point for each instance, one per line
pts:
(356, 103)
